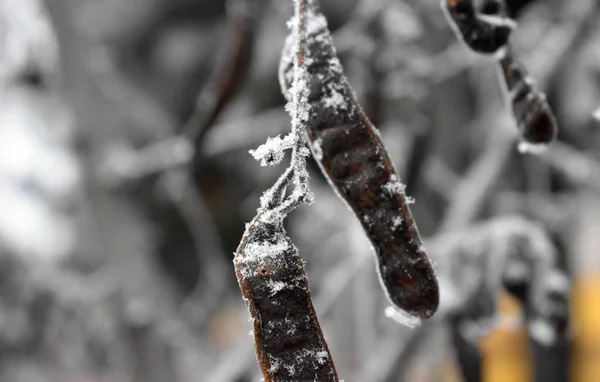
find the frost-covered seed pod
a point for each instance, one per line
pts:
(352, 156)
(289, 342)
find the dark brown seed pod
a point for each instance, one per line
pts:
(353, 158)
(530, 109)
(484, 32)
(289, 342)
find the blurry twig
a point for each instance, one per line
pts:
(229, 71)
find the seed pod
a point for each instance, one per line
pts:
(534, 117)
(289, 343)
(483, 32)
(352, 157)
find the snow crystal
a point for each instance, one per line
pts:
(272, 152)
(322, 357)
(275, 364)
(291, 369)
(335, 100)
(317, 150)
(276, 286)
(394, 186)
(317, 23)
(402, 317)
(255, 251)
(396, 222)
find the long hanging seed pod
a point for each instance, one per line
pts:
(530, 109)
(488, 31)
(288, 339)
(483, 32)
(353, 158)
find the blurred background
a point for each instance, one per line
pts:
(125, 183)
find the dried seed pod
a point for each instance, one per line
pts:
(534, 117)
(353, 158)
(290, 345)
(484, 32)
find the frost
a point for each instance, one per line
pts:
(317, 150)
(322, 357)
(396, 222)
(335, 100)
(276, 286)
(402, 317)
(291, 369)
(394, 187)
(275, 364)
(255, 251)
(272, 152)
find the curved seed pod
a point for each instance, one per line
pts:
(290, 345)
(534, 117)
(352, 157)
(483, 32)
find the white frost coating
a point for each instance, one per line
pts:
(322, 357)
(275, 364)
(532, 148)
(291, 369)
(255, 251)
(402, 317)
(394, 187)
(317, 150)
(276, 286)
(335, 100)
(396, 222)
(272, 152)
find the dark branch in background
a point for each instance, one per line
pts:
(229, 71)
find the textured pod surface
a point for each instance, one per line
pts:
(483, 33)
(290, 345)
(353, 158)
(534, 117)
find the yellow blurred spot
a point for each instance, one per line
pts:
(505, 349)
(585, 308)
